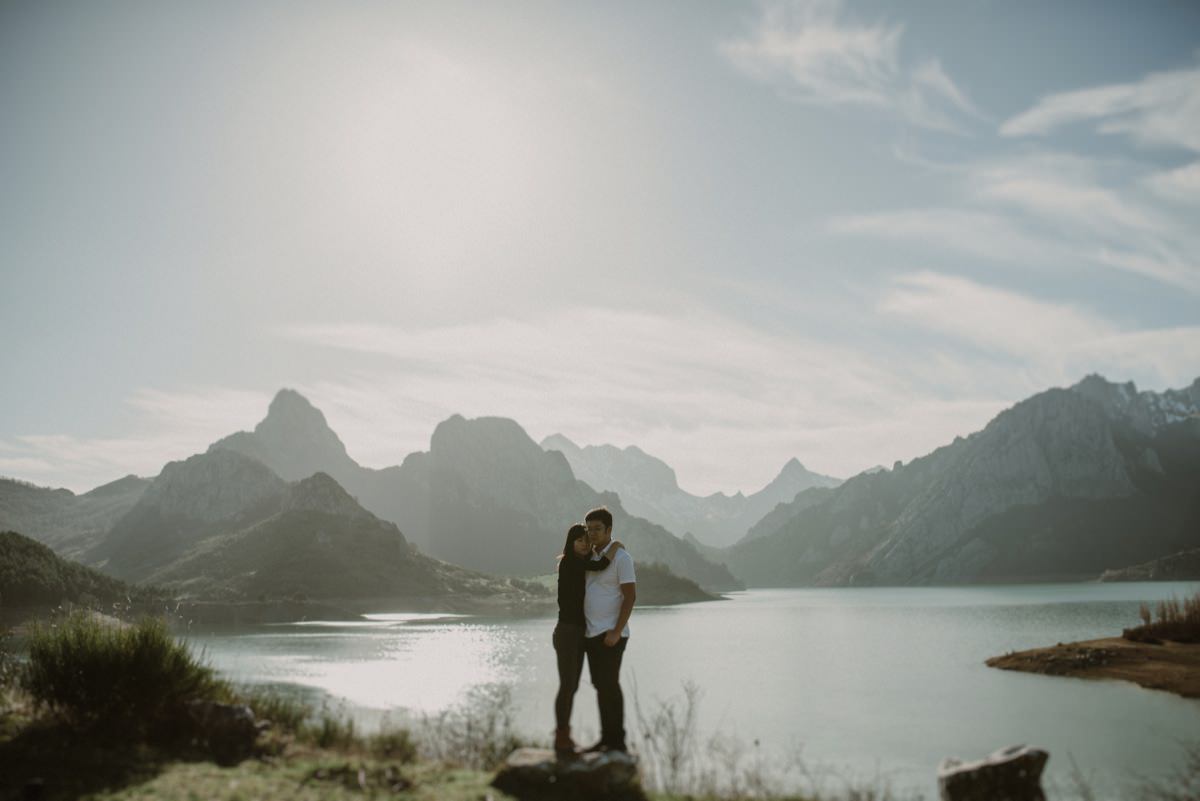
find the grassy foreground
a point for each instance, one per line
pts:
(105, 709)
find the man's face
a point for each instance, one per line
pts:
(598, 533)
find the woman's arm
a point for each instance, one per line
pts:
(604, 561)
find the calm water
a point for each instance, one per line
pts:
(863, 681)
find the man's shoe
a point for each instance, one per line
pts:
(595, 748)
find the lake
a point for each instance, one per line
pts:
(863, 682)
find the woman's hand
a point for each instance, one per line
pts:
(616, 545)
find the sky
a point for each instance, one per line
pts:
(728, 233)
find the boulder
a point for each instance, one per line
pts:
(534, 774)
(1010, 774)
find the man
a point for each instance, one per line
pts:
(607, 604)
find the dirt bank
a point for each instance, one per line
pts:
(1170, 666)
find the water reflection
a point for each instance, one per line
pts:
(866, 680)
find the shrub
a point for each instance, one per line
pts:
(285, 712)
(1174, 620)
(394, 744)
(479, 733)
(95, 671)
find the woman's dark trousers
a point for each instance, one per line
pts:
(568, 646)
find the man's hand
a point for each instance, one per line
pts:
(612, 637)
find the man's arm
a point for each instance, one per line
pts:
(628, 598)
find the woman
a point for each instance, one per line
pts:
(573, 566)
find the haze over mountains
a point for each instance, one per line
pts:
(648, 488)
(1064, 485)
(484, 495)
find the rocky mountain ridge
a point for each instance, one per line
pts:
(1061, 485)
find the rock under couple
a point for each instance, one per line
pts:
(596, 592)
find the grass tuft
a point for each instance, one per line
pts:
(1174, 619)
(95, 671)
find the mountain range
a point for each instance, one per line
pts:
(1063, 485)
(648, 488)
(484, 496)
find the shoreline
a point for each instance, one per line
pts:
(1170, 666)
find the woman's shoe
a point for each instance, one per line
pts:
(564, 746)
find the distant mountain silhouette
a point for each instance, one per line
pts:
(68, 523)
(1063, 485)
(648, 488)
(501, 503)
(320, 544)
(223, 526)
(484, 496)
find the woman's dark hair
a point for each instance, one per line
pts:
(573, 533)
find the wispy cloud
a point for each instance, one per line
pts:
(750, 398)
(1181, 184)
(980, 234)
(1063, 188)
(1012, 324)
(814, 52)
(1162, 108)
(991, 318)
(172, 425)
(1048, 209)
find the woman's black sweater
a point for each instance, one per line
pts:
(572, 582)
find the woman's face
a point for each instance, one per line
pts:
(581, 546)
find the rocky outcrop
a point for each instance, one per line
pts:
(1147, 412)
(533, 774)
(1011, 774)
(1056, 487)
(648, 488)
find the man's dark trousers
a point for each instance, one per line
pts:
(604, 663)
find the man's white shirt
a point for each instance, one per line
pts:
(602, 599)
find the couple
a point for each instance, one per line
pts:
(596, 592)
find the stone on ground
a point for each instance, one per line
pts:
(534, 774)
(1010, 774)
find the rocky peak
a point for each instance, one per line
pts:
(1146, 411)
(607, 467)
(130, 484)
(558, 442)
(793, 478)
(291, 417)
(1113, 397)
(321, 493)
(494, 456)
(211, 486)
(294, 439)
